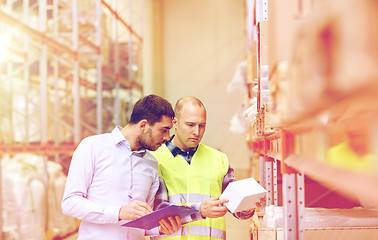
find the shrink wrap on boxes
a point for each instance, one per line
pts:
(24, 198)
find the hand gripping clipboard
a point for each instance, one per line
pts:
(151, 220)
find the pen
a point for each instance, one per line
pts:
(131, 197)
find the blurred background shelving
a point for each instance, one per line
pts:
(313, 88)
(299, 114)
(68, 69)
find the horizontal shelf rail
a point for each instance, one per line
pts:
(115, 13)
(40, 148)
(40, 36)
(354, 185)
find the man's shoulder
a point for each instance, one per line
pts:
(163, 149)
(150, 156)
(206, 148)
(95, 139)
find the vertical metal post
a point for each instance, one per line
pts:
(300, 204)
(261, 10)
(43, 101)
(264, 10)
(75, 72)
(141, 9)
(131, 55)
(268, 173)
(140, 46)
(293, 192)
(116, 69)
(43, 71)
(289, 204)
(56, 18)
(99, 67)
(56, 79)
(275, 190)
(25, 16)
(269, 182)
(262, 171)
(293, 196)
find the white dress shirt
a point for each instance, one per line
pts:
(103, 173)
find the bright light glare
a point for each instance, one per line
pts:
(4, 54)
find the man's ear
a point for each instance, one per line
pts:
(143, 124)
(174, 121)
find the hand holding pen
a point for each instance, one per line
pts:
(167, 226)
(134, 209)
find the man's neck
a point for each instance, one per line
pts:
(131, 136)
(178, 144)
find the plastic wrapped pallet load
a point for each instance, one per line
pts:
(24, 198)
(59, 223)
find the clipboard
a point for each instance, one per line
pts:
(151, 220)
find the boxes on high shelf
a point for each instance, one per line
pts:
(252, 131)
(270, 126)
(333, 51)
(352, 34)
(336, 52)
(308, 77)
(279, 95)
(284, 18)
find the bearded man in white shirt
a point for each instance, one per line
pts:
(113, 179)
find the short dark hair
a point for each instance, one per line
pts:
(151, 108)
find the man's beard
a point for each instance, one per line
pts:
(145, 141)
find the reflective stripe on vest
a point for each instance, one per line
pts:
(200, 231)
(188, 198)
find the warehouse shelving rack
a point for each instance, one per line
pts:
(57, 57)
(291, 149)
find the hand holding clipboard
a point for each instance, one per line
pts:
(152, 219)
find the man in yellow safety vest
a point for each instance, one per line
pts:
(194, 174)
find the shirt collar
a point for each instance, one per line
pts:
(119, 138)
(176, 150)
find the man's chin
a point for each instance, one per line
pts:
(154, 148)
(193, 144)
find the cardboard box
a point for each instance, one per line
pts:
(243, 194)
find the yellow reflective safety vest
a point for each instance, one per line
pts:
(193, 183)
